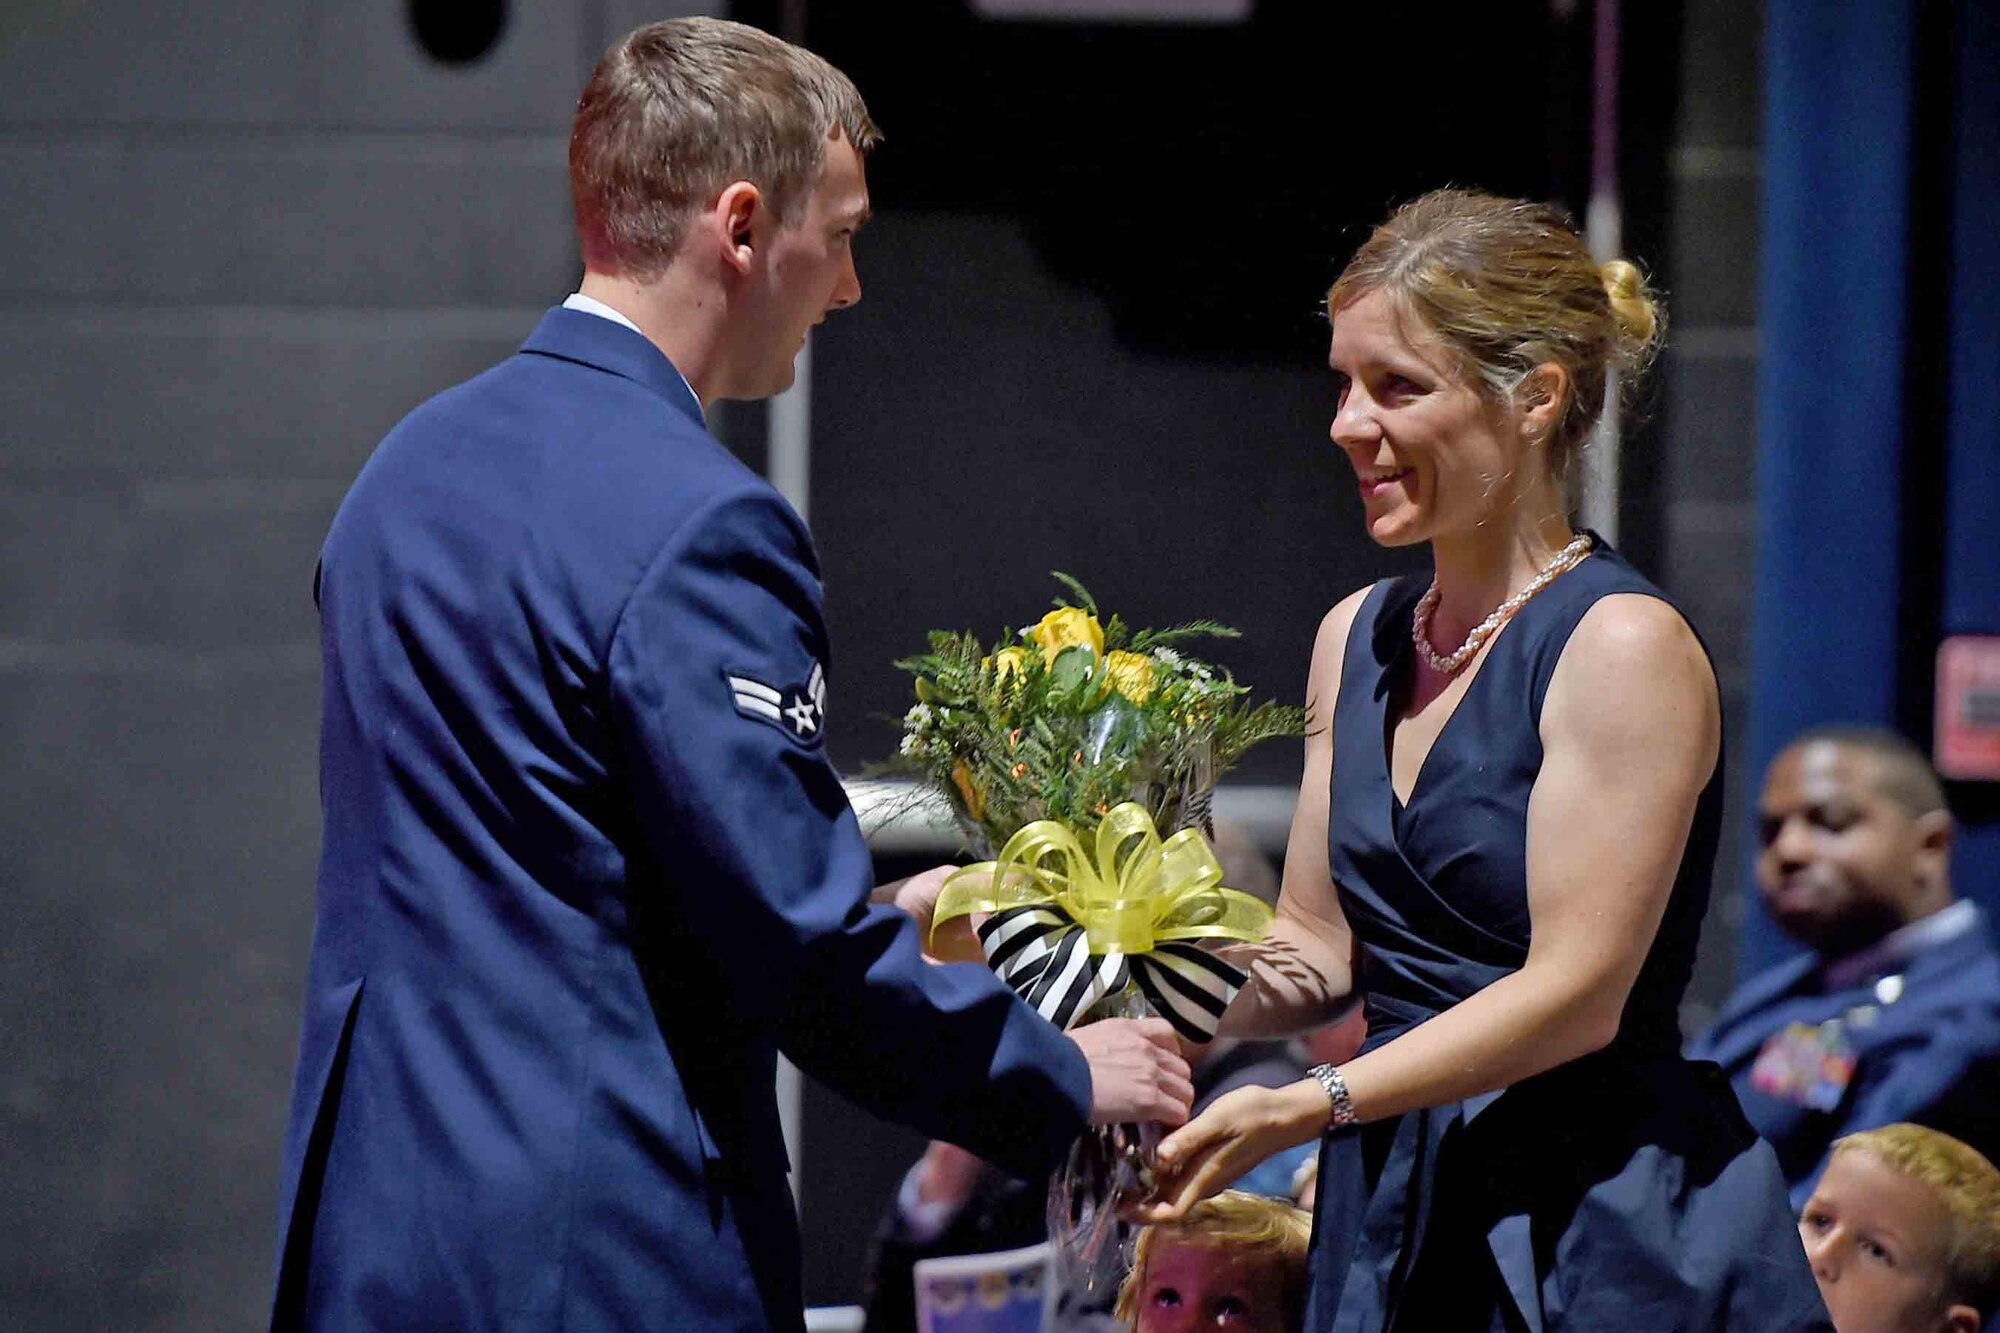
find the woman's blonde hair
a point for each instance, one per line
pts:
(1968, 1186)
(1508, 285)
(1267, 1232)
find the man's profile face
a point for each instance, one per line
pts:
(808, 270)
(1836, 860)
(1878, 1243)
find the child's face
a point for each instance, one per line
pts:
(1192, 1287)
(1877, 1241)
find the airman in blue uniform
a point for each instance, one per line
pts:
(586, 867)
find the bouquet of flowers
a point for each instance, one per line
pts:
(1081, 756)
(1075, 715)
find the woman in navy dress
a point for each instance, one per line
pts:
(1503, 843)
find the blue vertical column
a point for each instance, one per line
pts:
(1972, 441)
(1839, 94)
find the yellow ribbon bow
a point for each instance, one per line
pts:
(1136, 892)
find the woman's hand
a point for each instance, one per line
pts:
(1237, 1131)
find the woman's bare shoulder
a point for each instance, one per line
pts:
(1639, 636)
(1330, 645)
(1633, 669)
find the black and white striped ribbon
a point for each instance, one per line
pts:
(1045, 957)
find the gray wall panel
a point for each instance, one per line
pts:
(265, 393)
(1721, 50)
(61, 557)
(112, 61)
(369, 71)
(1715, 961)
(621, 16)
(161, 866)
(1709, 568)
(1715, 238)
(161, 566)
(287, 65)
(1712, 402)
(355, 220)
(1708, 481)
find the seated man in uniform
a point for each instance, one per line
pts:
(1894, 1015)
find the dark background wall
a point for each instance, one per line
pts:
(238, 241)
(1091, 336)
(1692, 482)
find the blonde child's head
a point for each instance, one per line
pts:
(1236, 1258)
(1903, 1231)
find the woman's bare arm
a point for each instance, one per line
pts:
(1302, 973)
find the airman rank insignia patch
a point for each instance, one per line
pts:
(797, 710)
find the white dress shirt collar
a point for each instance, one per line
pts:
(590, 305)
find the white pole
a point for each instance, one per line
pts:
(791, 1100)
(788, 464)
(1603, 229)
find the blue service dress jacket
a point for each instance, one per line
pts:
(1925, 1048)
(586, 867)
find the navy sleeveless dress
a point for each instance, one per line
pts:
(1624, 1190)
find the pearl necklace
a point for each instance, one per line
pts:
(1565, 560)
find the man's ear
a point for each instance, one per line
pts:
(737, 218)
(1934, 830)
(1961, 1319)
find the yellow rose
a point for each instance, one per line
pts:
(1067, 627)
(1131, 675)
(1006, 664)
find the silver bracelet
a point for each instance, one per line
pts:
(1336, 1092)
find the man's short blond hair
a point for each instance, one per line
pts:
(1968, 1186)
(679, 110)
(1269, 1233)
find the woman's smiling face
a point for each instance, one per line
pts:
(1432, 453)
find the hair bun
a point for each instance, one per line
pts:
(1637, 312)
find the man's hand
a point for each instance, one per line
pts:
(955, 941)
(1136, 1071)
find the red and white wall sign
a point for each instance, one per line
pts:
(1968, 707)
